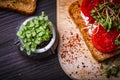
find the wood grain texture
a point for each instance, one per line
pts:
(13, 65)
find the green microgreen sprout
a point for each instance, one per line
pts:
(107, 16)
(34, 33)
(117, 40)
(112, 70)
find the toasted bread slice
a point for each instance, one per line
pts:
(74, 11)
(23, 6)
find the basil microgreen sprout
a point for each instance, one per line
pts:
(34, 33)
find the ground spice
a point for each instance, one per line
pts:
(70, 44)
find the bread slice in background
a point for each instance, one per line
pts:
(74, 11)
(23, 6)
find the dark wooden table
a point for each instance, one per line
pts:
(13, 65)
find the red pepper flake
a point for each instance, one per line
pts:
(63, 37)
(84, 66)
(76, 72)
(68, 60)
(68, 17)
(76, 58)
(77, 36)
(71, 72)
(70, 45)
(82, 63)
(63, 62)
(78, 66)
(101, 66)
(71, 33)
(97, 67)
(63, 55)
(97, 71)
(85, 56)
(89, 72)
(79, 44)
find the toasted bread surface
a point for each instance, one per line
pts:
(23, 6)
(74, 11)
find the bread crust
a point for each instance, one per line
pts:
(74, 11)
(23, 6)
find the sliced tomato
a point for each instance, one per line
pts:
(87, 6)
(104, 41)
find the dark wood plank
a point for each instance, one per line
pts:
(13, 65)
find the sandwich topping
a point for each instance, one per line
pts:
(104, 18)
(104, 41)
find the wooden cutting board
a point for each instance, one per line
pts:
(74, 56)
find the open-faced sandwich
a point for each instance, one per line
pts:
(23, 6)
(101, 27)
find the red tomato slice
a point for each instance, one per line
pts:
(87, 6)
(104, 41)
